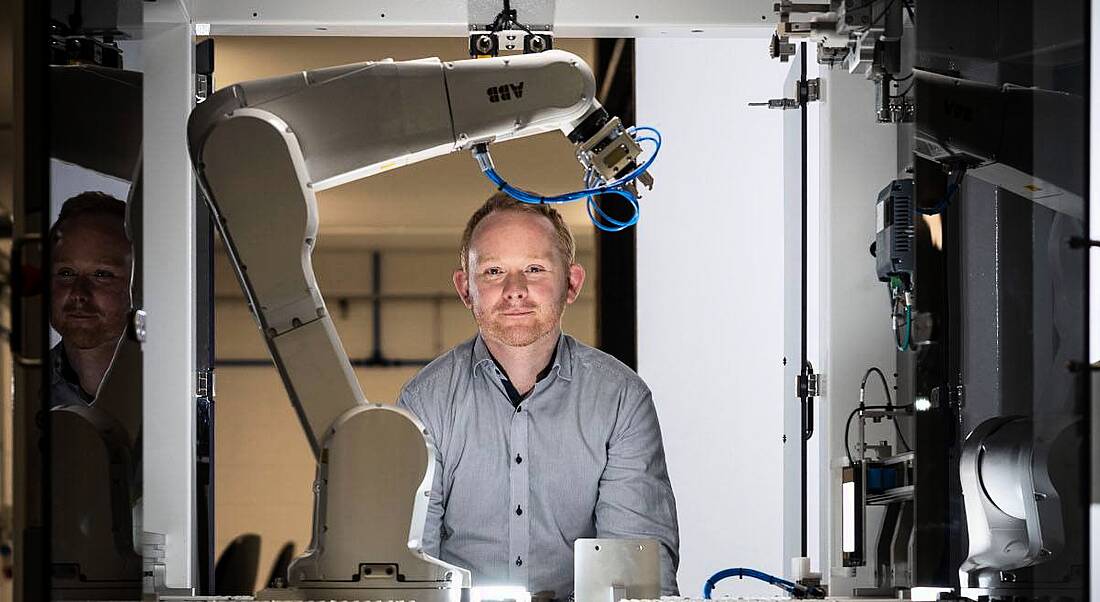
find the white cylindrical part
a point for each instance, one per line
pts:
(800, 568)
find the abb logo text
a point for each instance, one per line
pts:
(505, 92)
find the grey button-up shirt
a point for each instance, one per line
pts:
(581, 456)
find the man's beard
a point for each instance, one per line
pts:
(91, 332)
(516, 333)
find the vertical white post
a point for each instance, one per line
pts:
(169, 291)
(792, 314)
(858, 159)
(1094, 299)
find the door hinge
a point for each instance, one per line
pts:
(809, 90)
(808, 385)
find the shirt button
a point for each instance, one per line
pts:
(519, 511)
(519, 459)
(519, 561)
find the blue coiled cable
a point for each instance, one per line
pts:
(599, 217)
(789, 586)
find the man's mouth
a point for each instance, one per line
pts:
(515, 313)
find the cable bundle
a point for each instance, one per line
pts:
(594, 185)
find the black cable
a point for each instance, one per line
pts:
(848, 425)
(507, 17)
(897, 339)
(947, 195)
(901, 438)
(889, 401)
(847, 429)
(882, 378)
(889, 406)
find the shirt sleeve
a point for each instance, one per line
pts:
(635, 496)
(433, 525)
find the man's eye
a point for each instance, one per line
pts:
(66, 273)
(104, 274)
(536, 269)
(493, 272)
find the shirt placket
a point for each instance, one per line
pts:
(519, 539)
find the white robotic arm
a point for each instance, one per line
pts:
(261, 150)
(356, 120)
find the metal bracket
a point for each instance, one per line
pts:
(958, 396)
(204, 384)
(204, 70)
(808, 91)
(491, 32)
(203, 85)
(781, 48)
(777, 103)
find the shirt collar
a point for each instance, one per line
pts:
(62, 372)
(563, 357)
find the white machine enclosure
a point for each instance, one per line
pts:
(261, 150)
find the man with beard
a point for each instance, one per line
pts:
(91, 264)
(540, 439)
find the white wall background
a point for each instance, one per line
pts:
(710, 299)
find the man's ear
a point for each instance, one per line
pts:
(462, 286)
(576, 281)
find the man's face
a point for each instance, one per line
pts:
(517, 284)
(90, 281)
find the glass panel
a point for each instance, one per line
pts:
(1008, 103)
(94, 360)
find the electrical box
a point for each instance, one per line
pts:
(895, 240)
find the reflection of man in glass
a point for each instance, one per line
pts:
(89, 293)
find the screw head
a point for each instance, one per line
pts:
(484, 44)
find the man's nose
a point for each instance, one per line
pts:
(81, 287)
(515, 286)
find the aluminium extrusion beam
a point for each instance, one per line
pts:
(572, 18)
